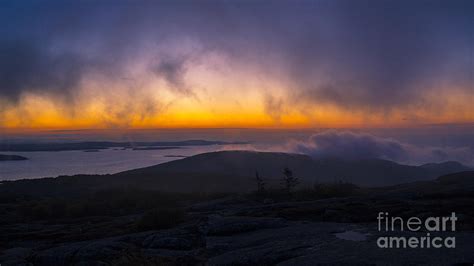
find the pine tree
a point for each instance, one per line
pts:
(260, 184)
(289, 181)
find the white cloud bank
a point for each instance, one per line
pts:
(352, 145)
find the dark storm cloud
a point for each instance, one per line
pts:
(274, 107)
(173, 70)
(25, 66)
(386, 53)
(355, 54)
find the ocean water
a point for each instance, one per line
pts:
(109, 161)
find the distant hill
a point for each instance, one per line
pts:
(8, 157)
(244, 164)
(459, 184)
(448, 167)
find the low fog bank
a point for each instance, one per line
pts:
(351, 145)
(407, 146)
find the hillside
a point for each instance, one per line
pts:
(244, 164)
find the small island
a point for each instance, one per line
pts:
(9, 157)
(155, 148)
(93, 150)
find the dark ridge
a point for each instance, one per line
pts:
(243, 165)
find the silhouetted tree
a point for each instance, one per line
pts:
(289, 181)
(260, 184)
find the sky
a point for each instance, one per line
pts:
(235, 64)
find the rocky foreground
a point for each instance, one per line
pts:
(326, 224)
(231, 231)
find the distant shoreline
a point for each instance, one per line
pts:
(100, 145)
(156, 148)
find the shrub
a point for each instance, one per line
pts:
(318, 191)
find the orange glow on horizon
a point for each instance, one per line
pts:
(47, 117)
(217, 106)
